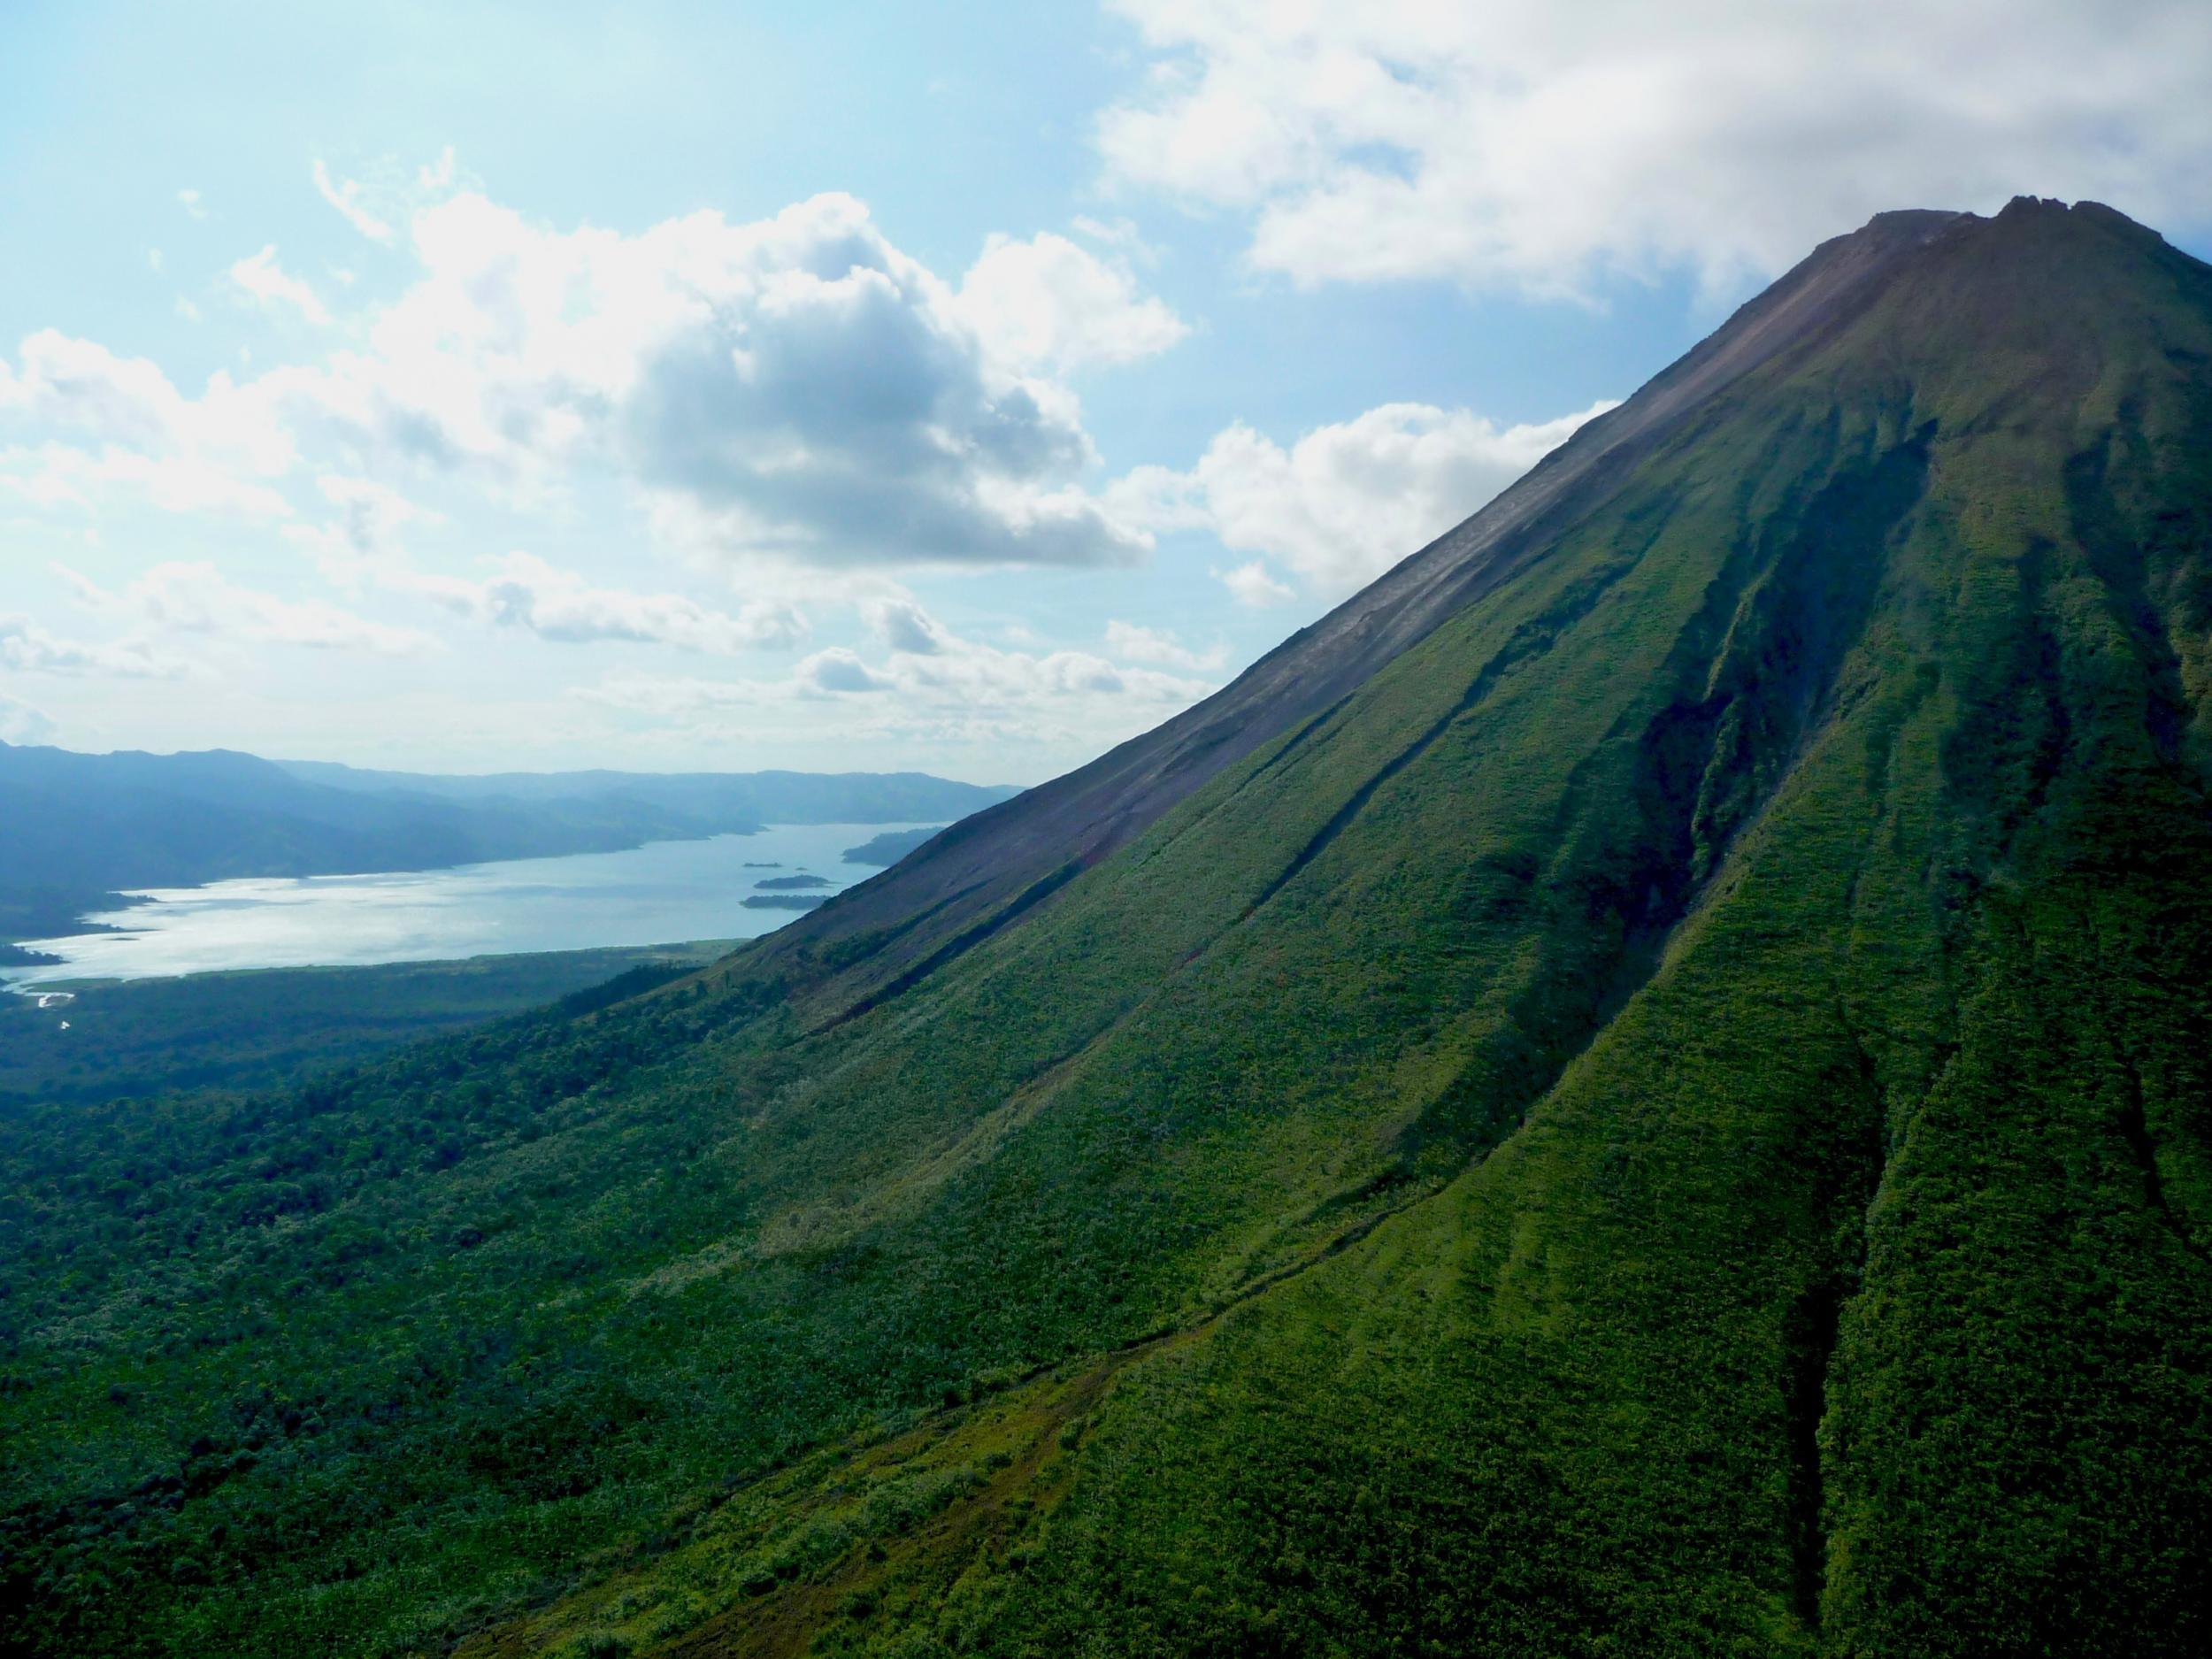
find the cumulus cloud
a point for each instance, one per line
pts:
(269, 282)
(346, 197)
(796, 387)
(1050, 303)
(82, 386)
(139, 434)
(194, 597)
(21, 723)
(903, 625)
(189, 201)
(838, 670)
(1346, 502)
(1537, 147)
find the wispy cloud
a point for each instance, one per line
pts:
(1162, 649)
(192, 596)
(526, 593)
(29, 649)
(346, 197)
(269, 282)
(61, 475)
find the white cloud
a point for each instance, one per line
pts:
(146, 441)
(1121, 235)
(838, 671)
(958, 691)
(792, 391)
(153, 260)
(346, 197)
(1346, 502)
(370, 514)
(58, 475)
(560, 606)
(269, 283)
(903, 625)
(1161, 648)
(361, 549)
(21, 723)
(796, 387)
(1254, 585)
(1531, 146)
(189, 201)
(194, 597)
(82, 386)
(1048, 304)
(29, 649)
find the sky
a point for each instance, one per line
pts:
(963, 389)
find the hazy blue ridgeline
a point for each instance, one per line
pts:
(725, 887)
(82, 826)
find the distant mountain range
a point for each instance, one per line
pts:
(79, 826)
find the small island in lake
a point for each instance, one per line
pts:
(789, 883)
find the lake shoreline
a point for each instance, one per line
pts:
(679, 888)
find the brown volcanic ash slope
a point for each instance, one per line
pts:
(990, 868)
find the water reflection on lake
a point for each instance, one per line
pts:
(650, 896)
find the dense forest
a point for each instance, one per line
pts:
(110, 1041)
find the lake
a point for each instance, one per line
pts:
(660, 894)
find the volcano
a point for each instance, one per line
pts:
(1642, 1087)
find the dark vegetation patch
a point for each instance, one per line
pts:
(250, 1030)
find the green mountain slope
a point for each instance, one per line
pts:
(1662, 1108)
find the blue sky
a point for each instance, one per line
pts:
(964, 388)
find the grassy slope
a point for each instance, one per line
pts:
(1364, 1213)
